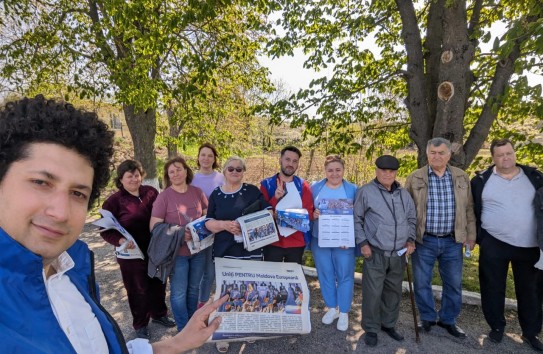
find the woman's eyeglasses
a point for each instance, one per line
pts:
(232, 169)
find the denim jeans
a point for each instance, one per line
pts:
(448, 253)
(184, 287)
(209, 275)
(335, 268)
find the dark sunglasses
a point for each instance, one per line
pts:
(237, 169)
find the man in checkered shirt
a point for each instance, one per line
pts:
(445, 223)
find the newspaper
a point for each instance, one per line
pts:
(267, 299)
(108, 222)
(294, 218)
(291, 200)
(202, 238)
(336, 223)
(258, 230)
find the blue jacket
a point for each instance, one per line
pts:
(27, 321)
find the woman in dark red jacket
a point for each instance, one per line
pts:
(132, 206)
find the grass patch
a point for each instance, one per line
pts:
(470, 276)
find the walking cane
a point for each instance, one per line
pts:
(411, 295)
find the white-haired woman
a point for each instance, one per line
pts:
(226, 204)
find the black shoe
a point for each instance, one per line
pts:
(453, 329)
(392, 333)
(426, 325)
(534, 343)
(496, 335)
(165, 321)
(370, 339)
(142, 333)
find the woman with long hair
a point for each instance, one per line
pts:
(207, 178)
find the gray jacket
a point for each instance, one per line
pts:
(166, 239)
(385, 220)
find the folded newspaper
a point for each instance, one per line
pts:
(267, 299)
(108, 222)
(294, 218)
(258, 230)
(202, 238)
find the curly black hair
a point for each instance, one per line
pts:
(38, 120)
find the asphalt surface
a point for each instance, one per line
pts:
(323, 338)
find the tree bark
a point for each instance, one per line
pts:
(432, 57)
(417, 100)
(454, 68)
(142, 127)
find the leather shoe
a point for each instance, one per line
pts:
(534, 343)
(370, 339)
(142, 332)
(426, 325)
(495, 335)
(392, 333)
(165, 321)
(453, 329)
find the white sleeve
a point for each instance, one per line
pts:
(139, 346)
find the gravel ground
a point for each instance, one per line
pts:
(322, 339)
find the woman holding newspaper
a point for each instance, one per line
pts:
(131, 206)
(335, 264)
(207, 179)
(226, 204)
(180, 203)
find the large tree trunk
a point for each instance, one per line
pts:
(454, 73)
(438, 104)
(142, 127)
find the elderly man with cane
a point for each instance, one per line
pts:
(385, 223)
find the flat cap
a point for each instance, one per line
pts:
(387, 162)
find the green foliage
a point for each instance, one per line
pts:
(381, 93)
(150, 55)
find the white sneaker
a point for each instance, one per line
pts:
(330, 316)
(343, 322)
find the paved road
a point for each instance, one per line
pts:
(322, 339)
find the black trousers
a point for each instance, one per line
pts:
(146, 296)
(494, 260)
(279, 254)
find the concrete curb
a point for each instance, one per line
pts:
(468, 297)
